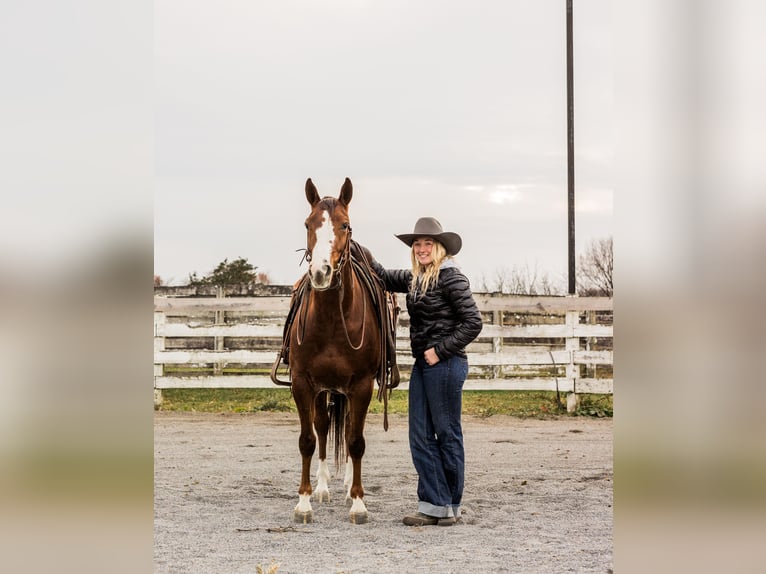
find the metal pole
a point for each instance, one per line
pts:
(570, 152)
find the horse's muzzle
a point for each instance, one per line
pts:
(321, 279)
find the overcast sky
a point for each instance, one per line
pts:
(450, 109)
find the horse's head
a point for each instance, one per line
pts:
(328, 233)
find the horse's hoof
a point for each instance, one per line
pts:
(323, 496)
(358, 517)
(302, 517)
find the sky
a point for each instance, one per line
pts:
(196, 124)
(449, 109)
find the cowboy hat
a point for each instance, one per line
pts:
(430, 227)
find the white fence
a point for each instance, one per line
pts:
(527, 343)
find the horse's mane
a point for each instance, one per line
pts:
(328, 202)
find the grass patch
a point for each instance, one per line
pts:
(227, 400)
(596, 406)
(523, 404)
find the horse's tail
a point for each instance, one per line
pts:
(336, 408)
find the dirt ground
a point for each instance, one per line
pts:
(538, 498)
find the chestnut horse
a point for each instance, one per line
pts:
(335, 352)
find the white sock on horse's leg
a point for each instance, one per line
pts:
(322, 492)
(348, 478)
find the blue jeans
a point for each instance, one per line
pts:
(436, 434)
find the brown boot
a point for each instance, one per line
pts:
(420, 519)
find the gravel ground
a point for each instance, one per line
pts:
(538, 498)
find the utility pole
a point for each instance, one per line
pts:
(570, 152)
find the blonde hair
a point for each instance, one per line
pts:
(425, 276)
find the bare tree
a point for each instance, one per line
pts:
(546, 286)
(524, 280)
(502, 281)
(596, 265)
(520, 280)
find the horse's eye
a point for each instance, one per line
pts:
(307, 225)
(344, 226)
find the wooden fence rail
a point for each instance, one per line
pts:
(526, 343)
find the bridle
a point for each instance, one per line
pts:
(307, 253)
(345, 256)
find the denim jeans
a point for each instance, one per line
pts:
(436, 434)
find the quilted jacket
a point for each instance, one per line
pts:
(445, 318)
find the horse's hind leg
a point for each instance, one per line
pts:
(322, 427)
(303, 512)
(348, 476)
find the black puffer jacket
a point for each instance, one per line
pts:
(445, 318)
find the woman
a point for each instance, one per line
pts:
(443, 320)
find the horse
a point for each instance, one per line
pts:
(336, 348)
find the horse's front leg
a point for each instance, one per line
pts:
(358, 404)
(322, 426)
(303, 512)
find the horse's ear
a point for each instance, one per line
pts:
(346, 192)
(311, 193)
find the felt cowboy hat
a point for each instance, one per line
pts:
(430, 227)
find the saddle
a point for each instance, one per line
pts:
(386, 311)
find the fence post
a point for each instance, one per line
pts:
(159, 345)
(590, 368)
(497, 344)
(573, 371)
(218, 341)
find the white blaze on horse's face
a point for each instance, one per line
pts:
(320, 268)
